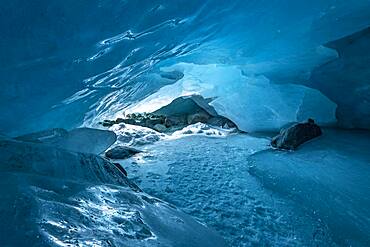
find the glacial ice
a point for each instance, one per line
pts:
(84, 140)
(329, 177)
(93, 65)
(351, 79)
(265, 63)
(53, 197)
(253, 103)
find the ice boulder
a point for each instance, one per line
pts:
(84, 140)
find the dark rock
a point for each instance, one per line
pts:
(198, 118)
(121, 152)
(290, 138)
(160, 128)
(173, 121)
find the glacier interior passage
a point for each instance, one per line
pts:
(185, 123)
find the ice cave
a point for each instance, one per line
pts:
(185, 123)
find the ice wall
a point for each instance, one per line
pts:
(346, 80)
(92, 59)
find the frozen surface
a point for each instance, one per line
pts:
(84, 140)
(316, 196)
(329, 177)
(53, 197)
(253, 103)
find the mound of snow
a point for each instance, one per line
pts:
(133, 135)
(202, 129)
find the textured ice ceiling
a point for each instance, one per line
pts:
(67, 63)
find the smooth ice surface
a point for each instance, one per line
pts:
(84, 140)
(253, 195)
(91, 60)
(253, 103)
(53, 197)
(328, 176)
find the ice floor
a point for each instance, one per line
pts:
(55, 197)
(254, 196)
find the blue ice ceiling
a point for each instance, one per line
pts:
(266, 63)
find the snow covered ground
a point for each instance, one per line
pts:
(255, 196)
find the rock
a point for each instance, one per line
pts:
(290, 138)
(152, 122)
(198, 118)
(160, 128)
(121, 152)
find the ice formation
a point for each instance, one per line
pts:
(41, 185)
(93, 65)
(263, 63)
(253, 103)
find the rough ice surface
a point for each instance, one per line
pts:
(256, 196)
(253, 103)
(84, 140)
(53, 197)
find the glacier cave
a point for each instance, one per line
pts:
(185, 123)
